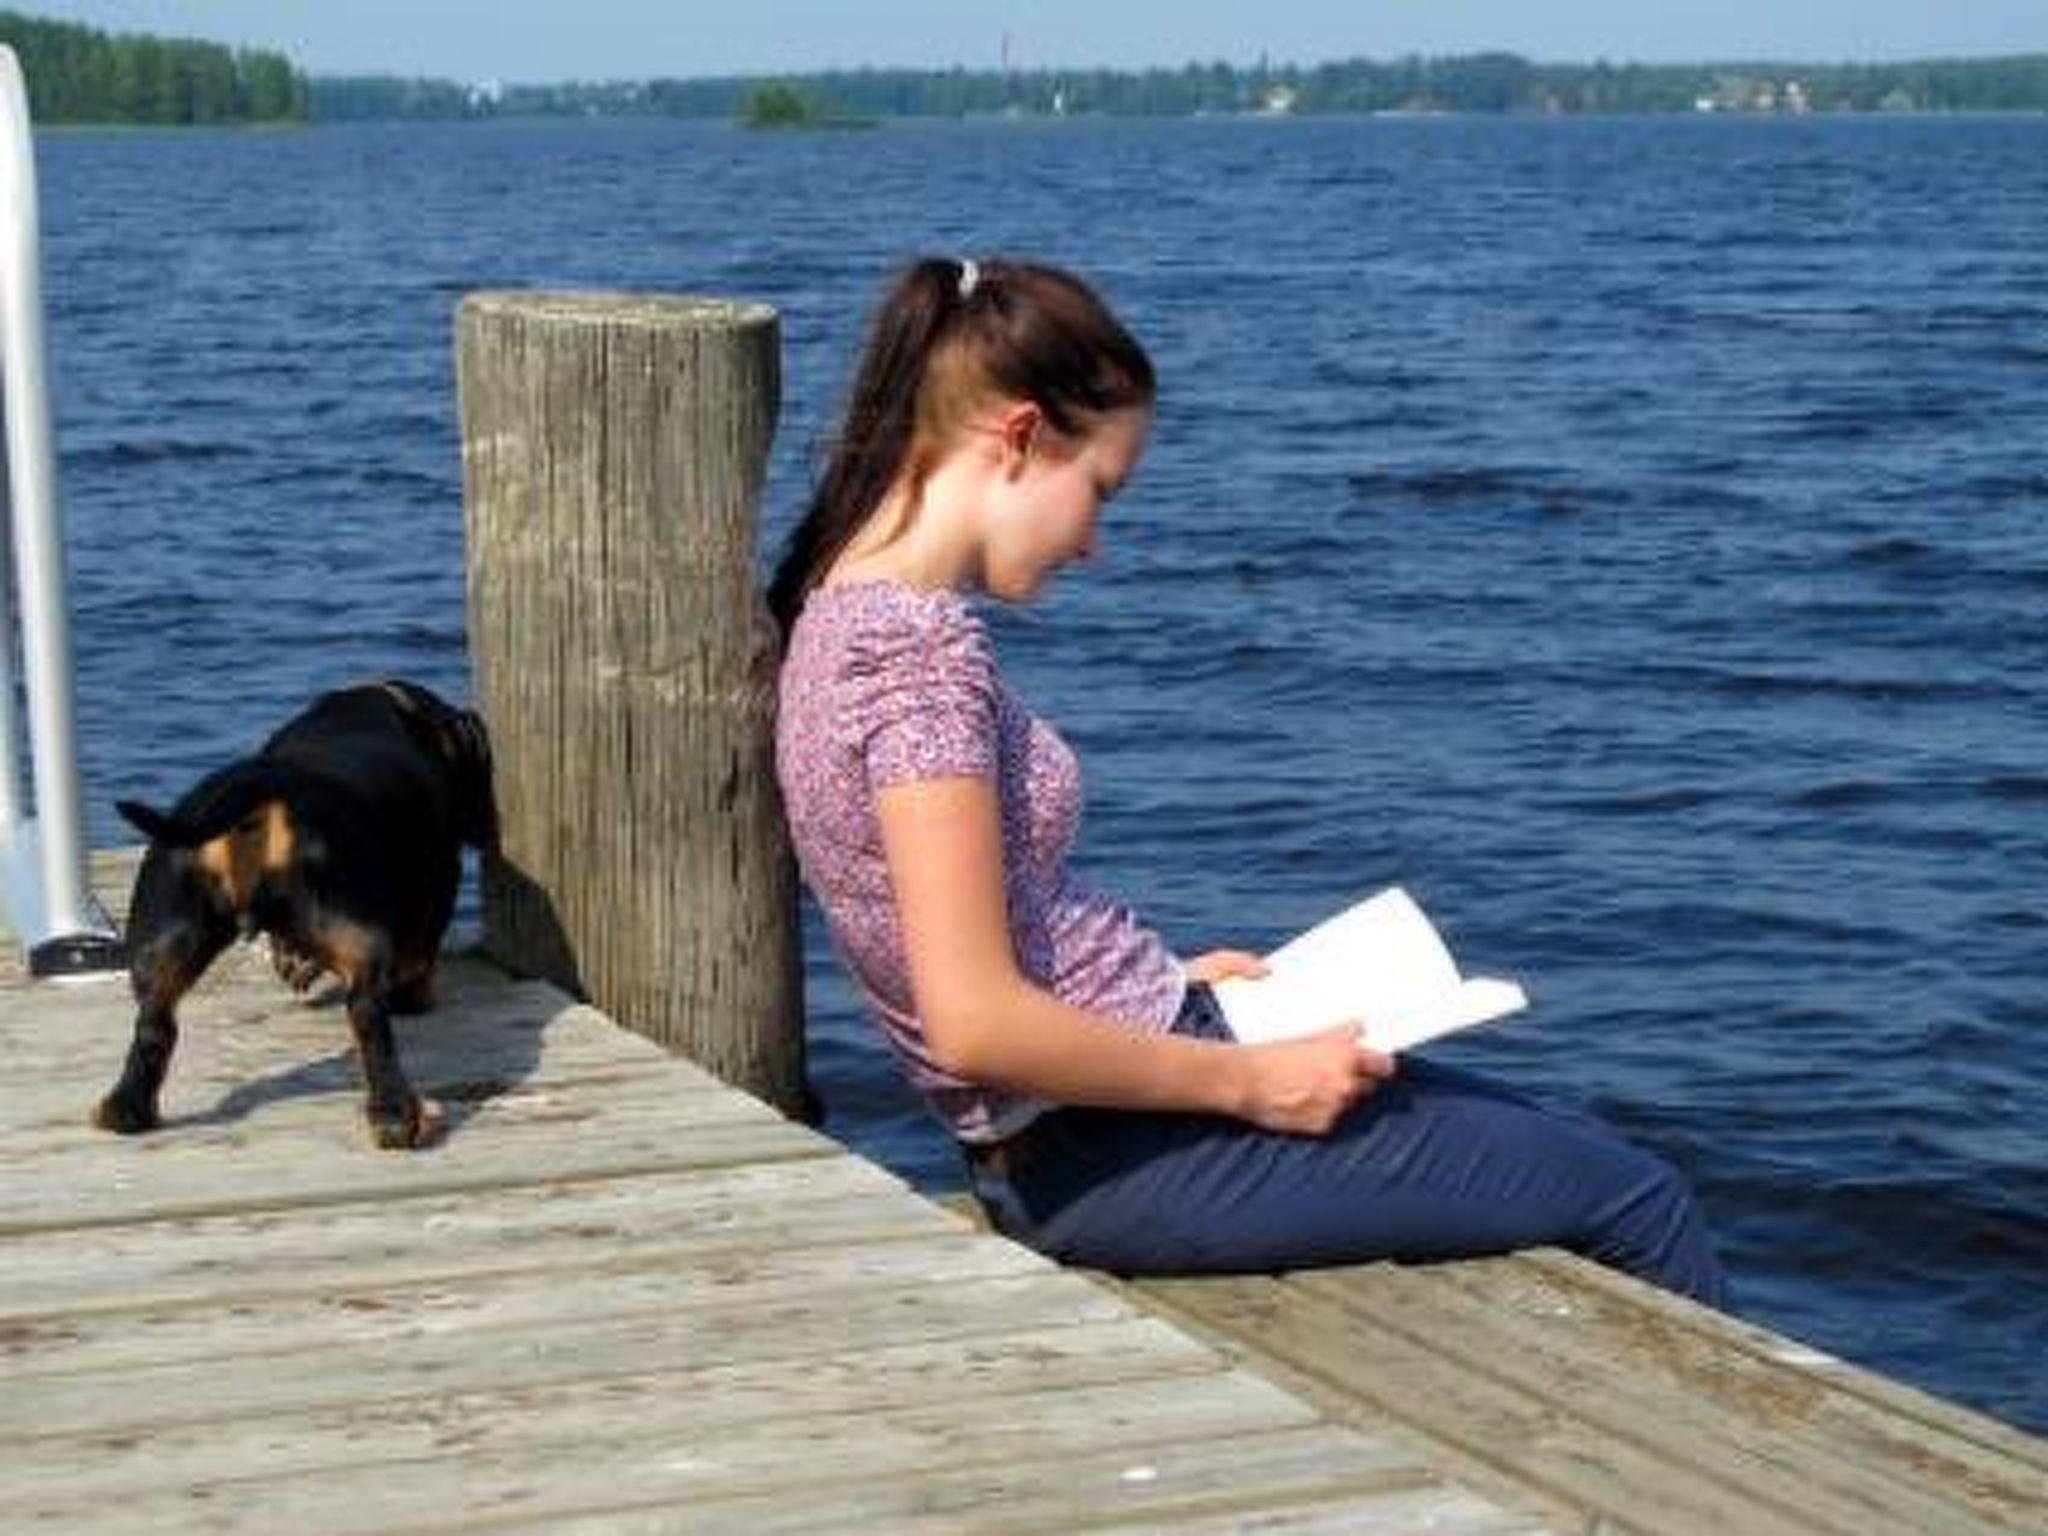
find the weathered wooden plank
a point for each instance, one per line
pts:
(682, 1401)
(462, 977)
(1679, 1390)
(241, 1018)
(612, 1284)
(490, 1040)
(313, 1110)
(721, 1203)
(1443, 1510)
(149, 1178)
(1519, 1447)
(217, 1260)
(1598, 1294)
(209, 1088)
(787, 1332)
(228, 1083)
(472, 1058)
(1073, 1492)
(611, 1460)
(1616, 1399)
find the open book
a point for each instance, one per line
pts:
(1381, 962)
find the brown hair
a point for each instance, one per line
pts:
(950, 338)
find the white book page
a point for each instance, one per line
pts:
(1381, 962)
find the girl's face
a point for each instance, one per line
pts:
(1042, 511)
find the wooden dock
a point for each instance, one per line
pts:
(623, 1298)
(620, 1297)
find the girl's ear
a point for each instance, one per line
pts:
(1019, 429)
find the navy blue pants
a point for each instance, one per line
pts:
(1434, 1164)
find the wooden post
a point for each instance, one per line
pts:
(613, 453)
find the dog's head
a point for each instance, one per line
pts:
(459, 739)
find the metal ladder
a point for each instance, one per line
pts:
(51, 912)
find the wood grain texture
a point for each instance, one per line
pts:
(614, 448)
(1602, 1403)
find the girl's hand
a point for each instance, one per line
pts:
(1221, 964)
(1303, 1087)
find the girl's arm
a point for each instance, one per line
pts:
(986, 1022)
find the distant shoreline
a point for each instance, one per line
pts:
(82, 76)
(1485, 84)
(1077, 121)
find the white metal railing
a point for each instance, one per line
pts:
(50, 909)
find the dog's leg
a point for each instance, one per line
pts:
(398, 1117)
(161, 973)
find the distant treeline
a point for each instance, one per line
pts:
(1487, 82)
(79, 75)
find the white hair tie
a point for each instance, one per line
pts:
(970, 277)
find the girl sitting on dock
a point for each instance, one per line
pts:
(1106, 1114)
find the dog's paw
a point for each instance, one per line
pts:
(294, 968)
(419, 1123)
(117, 1112)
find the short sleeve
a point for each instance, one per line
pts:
(930, 701)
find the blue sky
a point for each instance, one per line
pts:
(541, 40)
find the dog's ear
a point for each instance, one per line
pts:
(152, 824)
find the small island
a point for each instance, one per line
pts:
(776, 105)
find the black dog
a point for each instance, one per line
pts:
(342, 840)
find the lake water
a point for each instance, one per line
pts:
(1631, 535)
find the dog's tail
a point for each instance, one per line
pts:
(220, 803)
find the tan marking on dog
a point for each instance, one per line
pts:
(227, 861)
(217, 860)
(280, 837)
(261, 843)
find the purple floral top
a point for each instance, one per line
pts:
(885, 683)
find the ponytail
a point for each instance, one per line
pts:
(948, 337)
(875, 436)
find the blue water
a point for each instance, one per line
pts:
(1630, 535)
